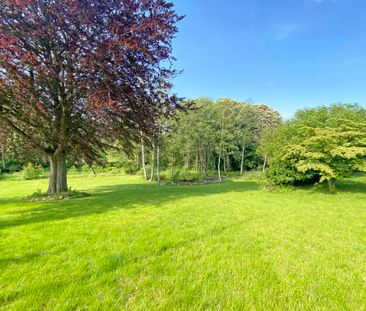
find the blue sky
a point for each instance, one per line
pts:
(288, 54)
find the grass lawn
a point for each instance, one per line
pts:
(140, 246)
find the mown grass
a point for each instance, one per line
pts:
(140, 246)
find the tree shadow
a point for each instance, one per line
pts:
(17, 260)
(4, 201)
(108, 198)
(351, 186)
(342, 186)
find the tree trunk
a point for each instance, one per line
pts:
(58, 175)
(143, 156)
(152, 164)
(187, 166)
(219, 168)
(3, 156)
(264, 163)
(331, 184)
(158, 162)
(242, 161)
(197, 164)
(224, 163)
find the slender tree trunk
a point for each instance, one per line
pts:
(208, 160)
(202, 158)
(158, 162)
(219, 168)
(331, 184)
(264, 164)
(197, 164)
(224, 163)
(242, 161)
(58, 175)
(152, 164)
(187, 166)
(3, 156)
(143, 156)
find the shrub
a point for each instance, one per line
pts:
(130, 167)
(114, 170)
(285, 173)
(13, 166)
(74, 170)
(32, 172)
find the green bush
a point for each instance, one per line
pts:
(13, 166)
(319, 144)
(32, 172)
(131, 167)
(285, 173)
(114, 170)
(183, 176)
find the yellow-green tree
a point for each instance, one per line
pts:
(333, 152)
(323, 144)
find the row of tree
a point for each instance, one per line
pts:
(318, 144)
(206, 136)
(215, 137)
(203, 136)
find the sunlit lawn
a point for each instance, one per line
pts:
(141, 246)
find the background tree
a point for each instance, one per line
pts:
(267, 120)
(3, 144)
(75, 75)
(209, 132)
(225, 133)
(323, 144)
(191, 139)
(282, 171)
(14, 153)
(245, 129)
(143, 160)
(333, 152)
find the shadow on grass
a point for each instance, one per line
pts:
(17, 260)
(108, 198)
(352, 186)
(342, 186)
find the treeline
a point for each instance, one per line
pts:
(211, 139)
(206, 137)
(316, 145)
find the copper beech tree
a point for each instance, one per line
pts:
(78, 74)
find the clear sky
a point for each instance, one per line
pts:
(288, 54)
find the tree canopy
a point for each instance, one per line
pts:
(75, 75)
(320, 144)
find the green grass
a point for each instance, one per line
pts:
(140, 246)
